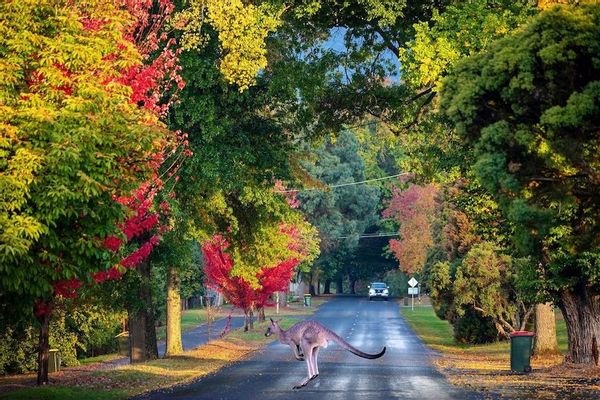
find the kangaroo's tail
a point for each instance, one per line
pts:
(333, 336)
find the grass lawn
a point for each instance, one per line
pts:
(486, 367)
(192, 318)
(438, 334)
(92, 382)
(99, 359)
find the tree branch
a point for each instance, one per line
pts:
(387, 40)
(506, 324)
(481, 310)
(419, 112)
(548, 179)
(501, 330)
(526, 318)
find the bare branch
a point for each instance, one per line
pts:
(420, 112)
(506, 324)
(526, 318)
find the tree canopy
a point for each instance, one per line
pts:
(533, 134)
(70, 139)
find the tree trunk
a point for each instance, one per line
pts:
(142, 330)
(339, 282)
(352, 285)
(249, 319)
(282, 299)
(581, 311)
(185, 304)
(261, 314)
(246, 321)
(318, 289)
(43, 348)
(173, 345)
(311, 289)
(501, 332)
(545, 330)
(137, 336)
(327, 288)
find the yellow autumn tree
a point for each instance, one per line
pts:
(242, 29)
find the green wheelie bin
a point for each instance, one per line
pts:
(307, 300)
(54, 360)
(521, 343)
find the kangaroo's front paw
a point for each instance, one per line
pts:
(300, 358)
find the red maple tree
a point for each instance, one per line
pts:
(153, 84)
(414, 209)
(152, 88)
(156, 81)
(218, 265)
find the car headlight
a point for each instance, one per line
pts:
(385, 291)
(371, 291)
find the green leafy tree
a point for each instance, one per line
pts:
(484, 282)
(227, 186)
(241, 28)
(458, 30)
(470, 270)
(341, 214)
(70, 138)
(63, 138)
(528, 107)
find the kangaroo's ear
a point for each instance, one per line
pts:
(272, 320)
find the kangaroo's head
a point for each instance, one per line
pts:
(274, 328)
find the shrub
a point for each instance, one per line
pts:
(473, 328)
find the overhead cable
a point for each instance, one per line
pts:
(368, 235)
(343, 184)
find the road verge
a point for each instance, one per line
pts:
(93, 382)
(485, 368)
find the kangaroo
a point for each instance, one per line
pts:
(306, 339)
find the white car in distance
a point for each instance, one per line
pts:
(378, 289)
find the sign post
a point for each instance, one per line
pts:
(412, 290)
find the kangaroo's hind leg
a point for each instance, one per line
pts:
(307, 350)
(315, 357)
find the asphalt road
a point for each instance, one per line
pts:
(404, 372)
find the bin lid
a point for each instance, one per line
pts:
(522, 333)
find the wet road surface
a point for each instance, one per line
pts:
(404, 372)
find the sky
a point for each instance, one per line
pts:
(336, 43)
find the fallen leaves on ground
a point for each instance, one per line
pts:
(550, 378)
(138, 378)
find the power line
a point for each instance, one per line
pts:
(344, 184)
(368, 235)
